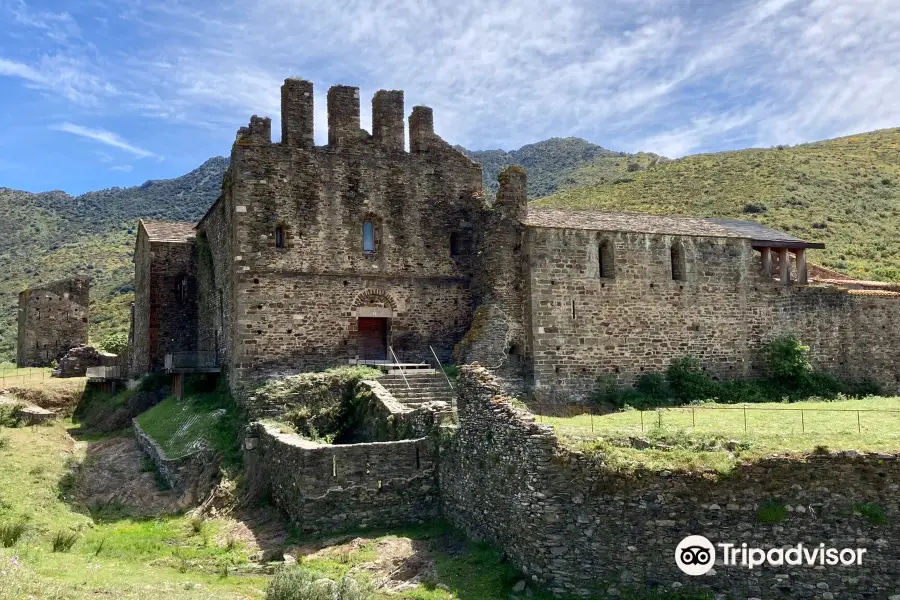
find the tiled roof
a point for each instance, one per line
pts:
(882, 293)
(756, 231)
(634, 222)
(169, 231)
(661, 224)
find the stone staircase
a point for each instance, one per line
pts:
(423, 387)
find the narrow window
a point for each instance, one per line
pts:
(368, 236)
(454, 245)
(573, 309)
(606, 259)
(279, 236)
(676, 254)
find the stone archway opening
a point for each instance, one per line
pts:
(372, 313)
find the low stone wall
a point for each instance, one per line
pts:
(578, 527)
(324, 488)
(193, 475)
(78, 359)
(380, 417)
(318, 392)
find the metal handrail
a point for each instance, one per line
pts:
(441, 367)
(400, 366)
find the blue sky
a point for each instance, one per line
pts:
(99, 93)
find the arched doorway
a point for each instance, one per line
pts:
(372, 312)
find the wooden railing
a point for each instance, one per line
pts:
(192, 361)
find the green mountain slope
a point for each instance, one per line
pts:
(48, 236)
(558, 163)
(843, 192)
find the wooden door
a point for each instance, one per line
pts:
(372, 338)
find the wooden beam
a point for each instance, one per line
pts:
(766, 260)
(802, 271)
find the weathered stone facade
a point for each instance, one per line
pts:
(77, 360)
(52, 319)
(579, 527)
(294, 269)
(328, 488)
(165, 300)
(638, 317)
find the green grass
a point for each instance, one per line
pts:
(698, 437)
(843, 192)
(201, 420)
(125, 558)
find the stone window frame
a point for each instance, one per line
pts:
(286, 237)
(377, 226)
(677, 261)
(606, 258)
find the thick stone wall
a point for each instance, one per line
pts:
(578, 527)
(297, 305)
(215, 279)
(584, 326)
(327, 488)
(52, 319)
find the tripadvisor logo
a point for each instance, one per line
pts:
(696, 555)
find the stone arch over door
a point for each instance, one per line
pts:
(372, 314)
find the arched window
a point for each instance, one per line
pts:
(279, 236)
(368, 236)
(606, 259)
(454, 245)
(679, 268)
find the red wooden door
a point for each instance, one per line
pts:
(372, 338)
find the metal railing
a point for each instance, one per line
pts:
(400, 366)
(447, 377)
(657, 417)
(12, 375)
(192, 360)
(102, 372)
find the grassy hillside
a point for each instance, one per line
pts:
(843, 192)
(44, 237)
(558, 163)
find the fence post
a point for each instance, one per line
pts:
(642, 420)
(802, 422)
(745, 419)
(693, 418)
(590, 412)
(858, 425)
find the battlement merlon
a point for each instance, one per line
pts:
(388, 128)
(257, 133)
(297, 119)
(343, 116)
(512, 197)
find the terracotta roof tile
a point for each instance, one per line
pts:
(169, 231)
(634, 222)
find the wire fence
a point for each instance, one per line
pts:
(776, 420)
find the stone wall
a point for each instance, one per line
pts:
(52, 319)
(166, 297)
(327, 488)
(578, 527)
(584, 326)
(215, 278)
(193, 475)
(298, 305)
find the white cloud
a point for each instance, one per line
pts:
(122, 168)
(664, 76)
(104, 137)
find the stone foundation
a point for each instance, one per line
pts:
(193, 475)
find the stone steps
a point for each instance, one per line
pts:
(417, 389)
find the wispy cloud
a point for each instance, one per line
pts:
(665, 76)
(122, 168)
(104, 137)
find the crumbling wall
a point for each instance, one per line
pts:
(328, 488)
(52, 319)
(578, 526)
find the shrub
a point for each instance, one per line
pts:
(114, 343)
(873, 513)
(10, 533)
(64, 540)
(687, 380)
(787, 360)
(754, 208)
(653, 385)
(297, 583)
(772, 512)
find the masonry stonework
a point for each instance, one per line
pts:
(52, 319)
(577, 526)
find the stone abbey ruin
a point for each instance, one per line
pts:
(363, 252)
